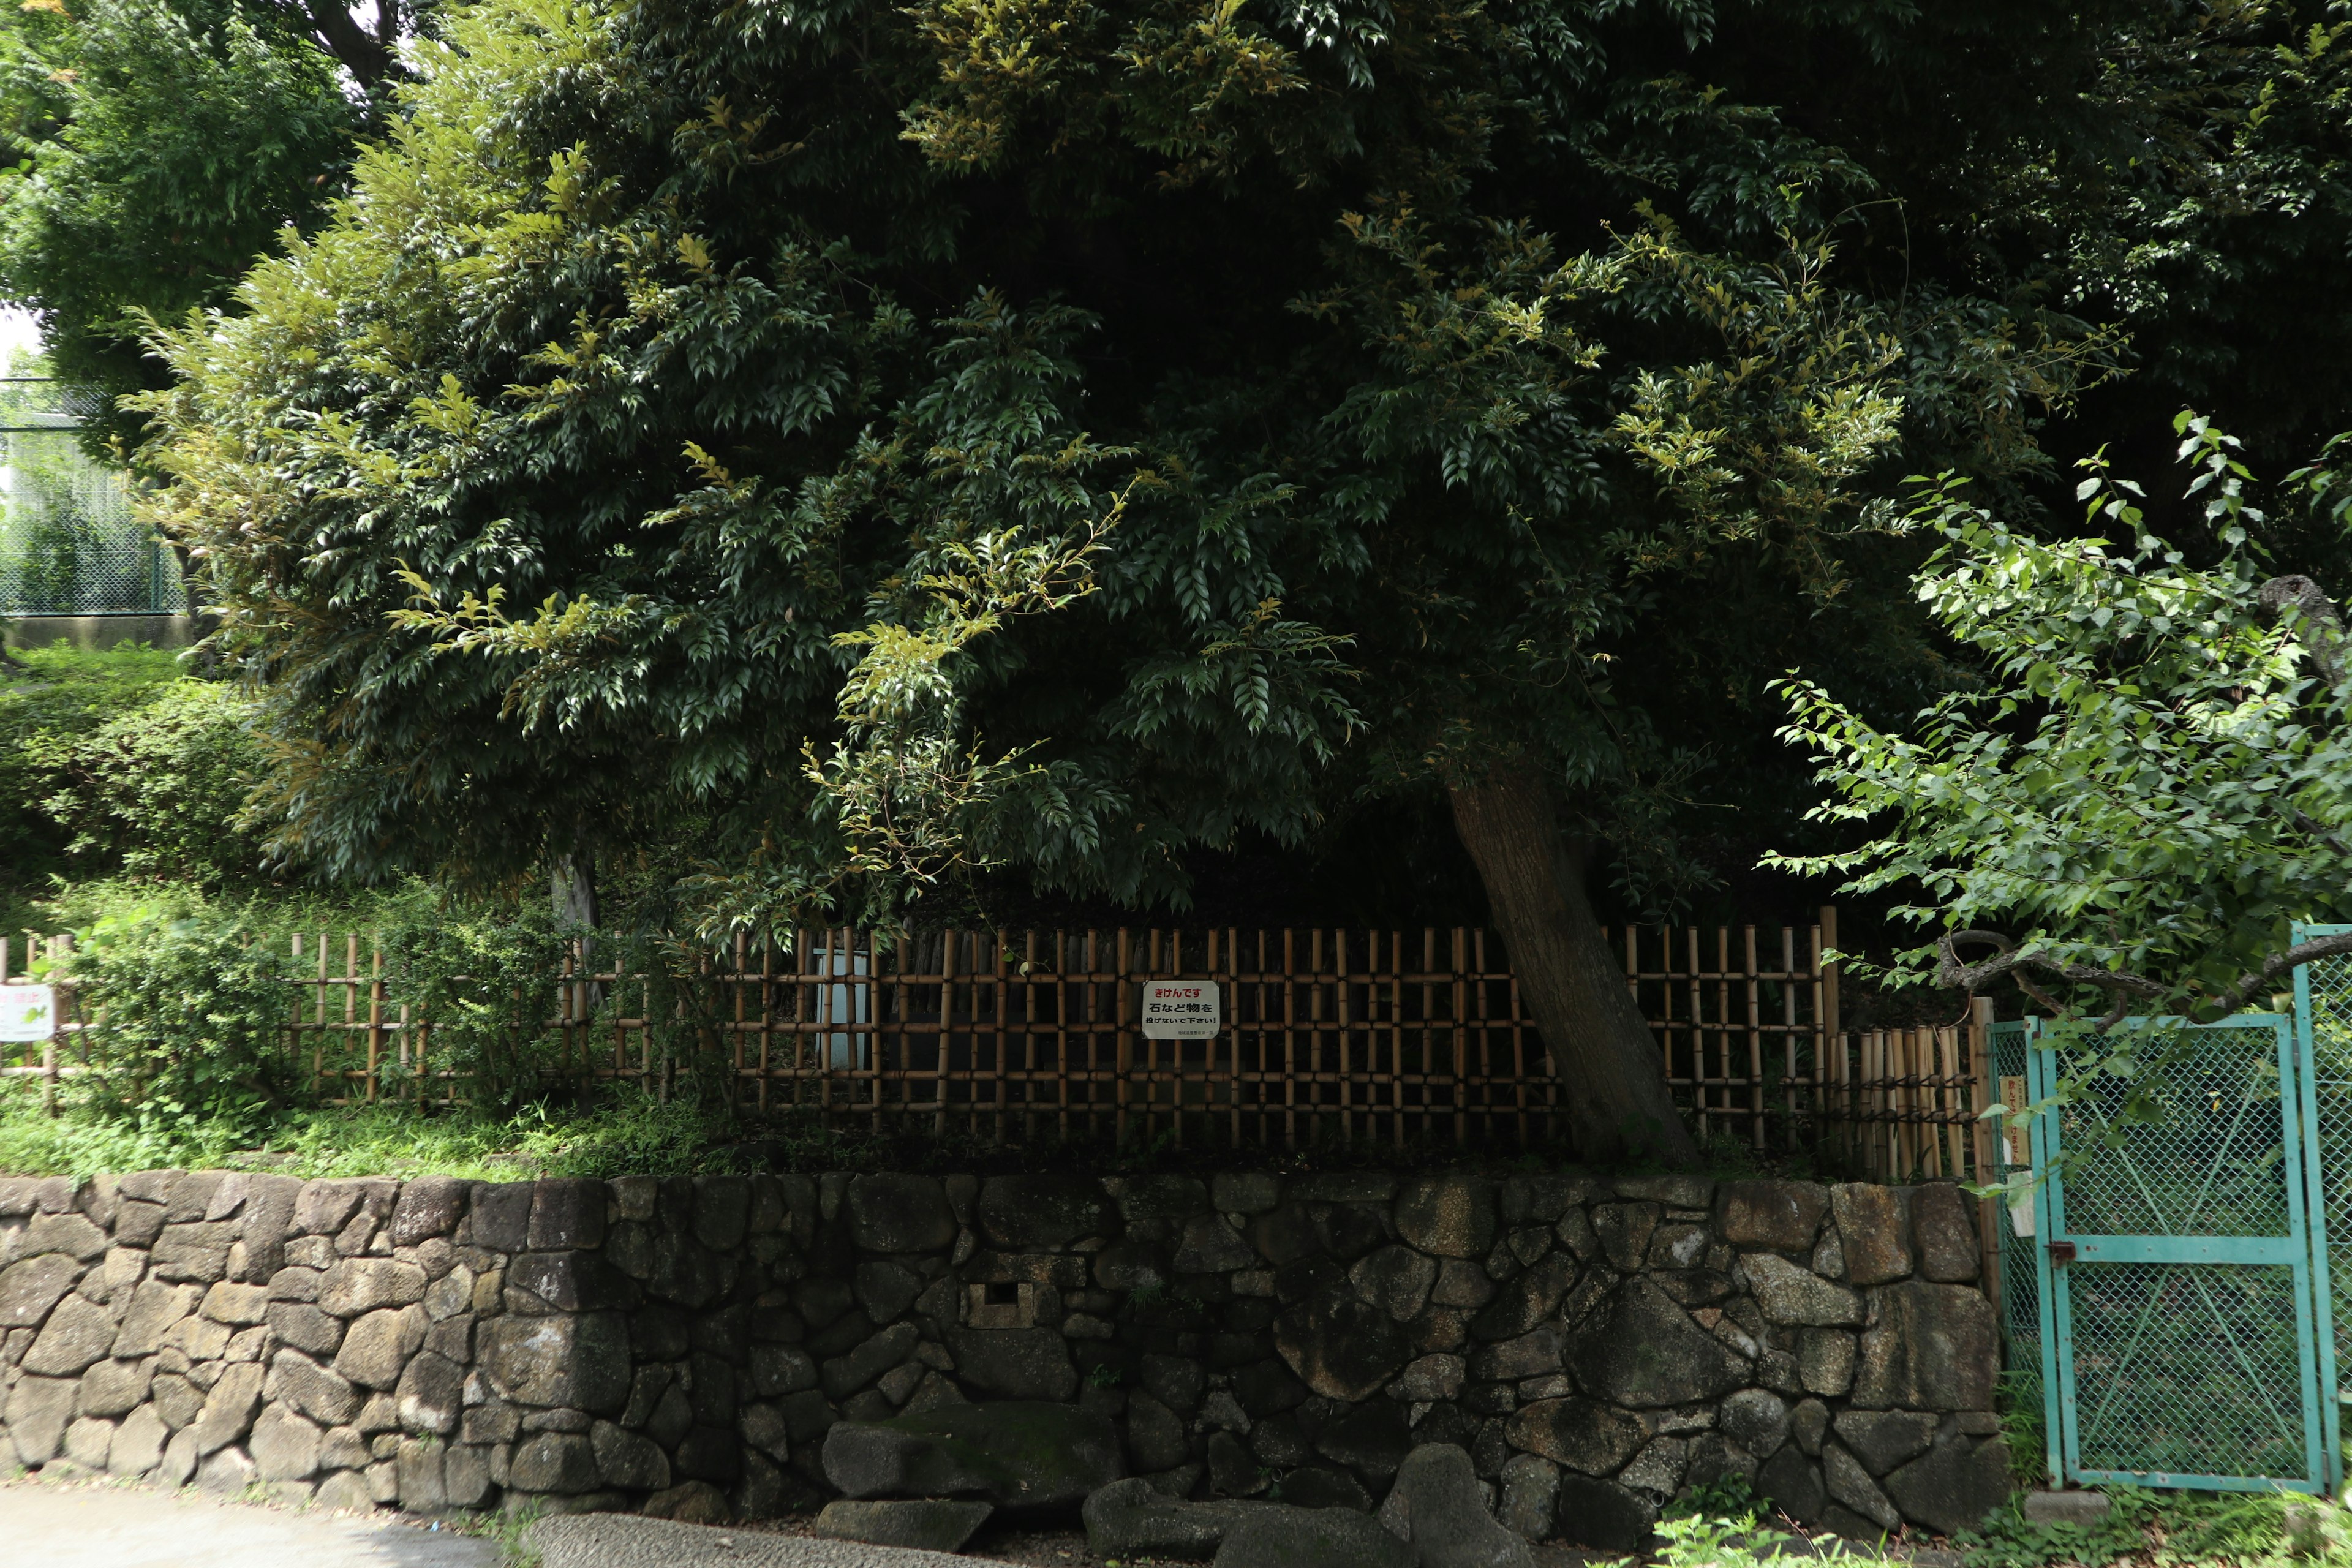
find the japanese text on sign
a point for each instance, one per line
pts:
(28, 1013)
(1182, 1009)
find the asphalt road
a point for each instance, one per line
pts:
(100, 1525)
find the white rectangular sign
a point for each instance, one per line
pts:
(28, 1013)
(1182, 1009)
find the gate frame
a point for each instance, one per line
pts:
(2314, 1317)
(2322, 1293)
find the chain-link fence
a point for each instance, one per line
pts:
(2186, 1368)
(69, 545)
(2330, 993)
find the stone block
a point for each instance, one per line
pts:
(577, 1363)
(1944, 1224)
(138, 1446)
(1533, 1355)
(1851, 1484)
(553, 1462)
(1756, 1419)
(1625, 1231)
(466, 1478)
(845, 1374)
(1207, 1244)
(1274, 1536)
(628, 1459)
(115, 1387)
(305, 1328)
(378, 1345)
(1934, 1347)
(567, 1215)
(1775, 1217)
(1017, 1454)
(782, 1369)
(1447, 1216)
(1462, 1283)
(38, 1410)
(1341, 1348)
(722, 1211)
(31, 1285)
(1449, 1519)
(1874, 1232)
(229, 1408)
(1155, 1435)
(268, 1217)
(324, 1207)
(284, 1445)
(323, 1396)
(1602, 1514)
(239, 1305)
(577, 1281)
(1372, 1439)
(500, 1214)
(195, 1252)
(1640, 1349)
(354, 1285)
(70, 1234)
(1881, 1439)
(1135, 1519)
(1043, 1211)
(2076, 1507)
(892, 1213)
(79, 1332)
(431, 1395)
(1162, 1198)
(1244, 1192)
(1825, 1360)
(1396, 1279)
(1792, 1484)
(1954, 1485)
(1529, 1496)
(1013, 1363)
(1578, 1433)
(1790, 1293)
(1527, 1299)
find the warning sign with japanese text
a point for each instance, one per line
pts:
(1182, 1009)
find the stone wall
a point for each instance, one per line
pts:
(1598, 1345)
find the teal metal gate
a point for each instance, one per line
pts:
(2323, 1012)
(2176, 1282)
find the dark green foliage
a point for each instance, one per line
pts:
(190, 1006)
(1062, 439)
(156, 148)
(115, 763)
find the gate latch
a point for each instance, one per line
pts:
(2061, 1252)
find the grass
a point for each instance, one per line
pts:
(626, 1132)
(511, 1531)
(640, 1138)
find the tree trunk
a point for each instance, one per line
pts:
(1618, 1105)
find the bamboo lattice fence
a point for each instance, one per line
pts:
(1329, 1036)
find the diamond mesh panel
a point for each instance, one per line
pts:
(2330, 980)
(69, 542)
(2020, 1291)
(2211, 1163)
(2186, 1369)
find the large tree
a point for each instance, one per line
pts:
(152, 149)
(1070, 439)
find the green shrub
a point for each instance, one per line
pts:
(116, 761)
(186, 1010)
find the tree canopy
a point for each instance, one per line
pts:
(1072, 438)
(2153, 783)
(152, 150)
